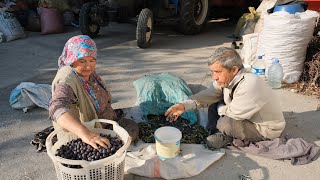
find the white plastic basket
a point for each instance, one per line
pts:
(111, 167)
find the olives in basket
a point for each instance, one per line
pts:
(78, 150)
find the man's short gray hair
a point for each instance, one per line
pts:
(227, 57)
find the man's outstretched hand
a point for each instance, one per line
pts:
(174, 112)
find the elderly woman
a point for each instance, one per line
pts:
(80, 95)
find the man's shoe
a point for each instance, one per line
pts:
(234, 45)
(218, 140)
(240, 45)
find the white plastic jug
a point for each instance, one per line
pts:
(275, 74)
(167, 142)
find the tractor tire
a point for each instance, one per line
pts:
(87, 27)
(144, 29)
(193, 16)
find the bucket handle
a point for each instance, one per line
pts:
(85, 163)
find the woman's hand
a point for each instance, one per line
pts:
(94, 139)
(68, 122)
(174, 112)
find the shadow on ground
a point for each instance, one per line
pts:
(302, 125)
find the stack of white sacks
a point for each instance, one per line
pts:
(283, 36)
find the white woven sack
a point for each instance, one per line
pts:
(142, 160)
(10, 26)
(262, 9)
(248, 52)
(286, 36)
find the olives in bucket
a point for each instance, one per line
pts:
(78, 150)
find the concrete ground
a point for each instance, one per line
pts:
(120, 62)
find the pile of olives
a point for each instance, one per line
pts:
(191, 134)
(78, 150)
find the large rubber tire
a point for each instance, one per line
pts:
(144, 31)
(193, 16)
(87, 27)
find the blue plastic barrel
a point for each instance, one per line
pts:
(290, 8)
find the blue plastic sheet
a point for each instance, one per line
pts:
(156, 93)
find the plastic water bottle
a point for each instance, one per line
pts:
(259, 67)
(275, 74)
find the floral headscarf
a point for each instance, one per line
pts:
(76, 48)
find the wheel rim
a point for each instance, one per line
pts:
(197, 8)
(149, 29)
(200, 11)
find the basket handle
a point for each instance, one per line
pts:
(93, 122)
(84, 163)
(120, 151)
(124, 147)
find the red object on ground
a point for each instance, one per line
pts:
(313, 5)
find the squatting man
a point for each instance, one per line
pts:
(241, 105)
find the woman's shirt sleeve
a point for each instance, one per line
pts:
(62, 98)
